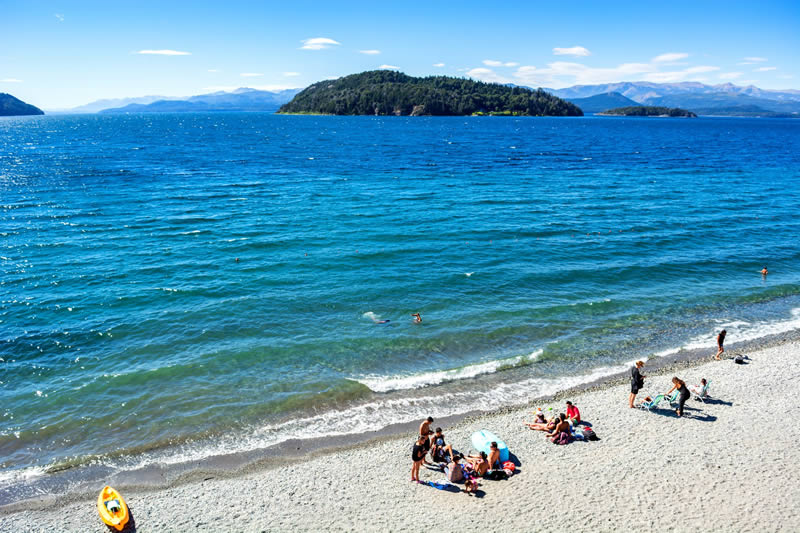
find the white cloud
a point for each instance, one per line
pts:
(729, 75)
(318, 43)
(164, 53)
(10, 80)
(494, 63)
(229, 88)
(574, 51)
(213, 70)
(59, 16)
(369, 52)
(699, 69)
(438, 65)
(765, 69)
(785, 76)
(487, 74)
(670, 57)
(250, 74)
(388, 67)
(291, 74)
(755, 59)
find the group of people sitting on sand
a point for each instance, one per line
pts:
(457, 467)
(559, 428)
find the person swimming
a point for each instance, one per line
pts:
(417, 318)
(764, 271)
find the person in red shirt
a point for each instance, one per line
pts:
(572, 412)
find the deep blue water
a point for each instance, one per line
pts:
(130, 333)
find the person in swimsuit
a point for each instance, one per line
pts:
(494, 456)
(637, 382)
(764, 271)
(439, 449)
(720, 340)
(417, 318)
(454, 471)
(684, 393)
(425, 426)
(561, 427)
(541, 424)
(417, 455)
(479, 464)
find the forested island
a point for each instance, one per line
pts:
(648, 111)
(11, 106)
(382, 92)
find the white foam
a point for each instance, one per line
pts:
(415, 381)
(738, 331)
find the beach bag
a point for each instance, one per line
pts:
(739, 359)
(508, 465)
(496, 475)
(589, 434)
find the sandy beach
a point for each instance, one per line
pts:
(730, 464)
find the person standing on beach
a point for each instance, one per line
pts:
(684, 393)
(637, 381)
(417, 455)
(720, 340)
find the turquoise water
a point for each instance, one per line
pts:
(177, 286)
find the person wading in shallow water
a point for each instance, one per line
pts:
(720, 341)
(637, 381)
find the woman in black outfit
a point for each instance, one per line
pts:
(684, 393)
(637, 381)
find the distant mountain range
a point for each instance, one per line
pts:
(243, 99)
(722, 99)
(11, 106)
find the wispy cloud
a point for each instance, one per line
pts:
(318, 43)
(164, 53)
(700, 69)
(369, 52)
(765, 69)
(574, 51)
(487, 74)
(388, 67)
(785, 76)
(670, 57)
(10, 80)
(730, 75)
(229, 88)
(59, 16)
(291, 74)
(751, 60)
(438, 65)
(251, 74)
(494, 63)
(213, 70)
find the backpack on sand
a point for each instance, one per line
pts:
(589, 434)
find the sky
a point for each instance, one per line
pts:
(61, 54)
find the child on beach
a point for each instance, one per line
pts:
(439, 449)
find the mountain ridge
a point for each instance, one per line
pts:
(11, 106)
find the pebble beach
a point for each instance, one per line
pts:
(724, 466)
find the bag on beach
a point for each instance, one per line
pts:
(589, 434)
(739, 359)
(495, 475)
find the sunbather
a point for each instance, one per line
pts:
(439, 449)
(543, 425)
(700, 390)
(478, 464)
(562, 426)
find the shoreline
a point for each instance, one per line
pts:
(710, 470)
(158, 477)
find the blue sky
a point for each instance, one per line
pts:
(68, 53)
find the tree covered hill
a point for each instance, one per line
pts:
(11, 106)
(601, 102)
(382, 92)
(649, 111)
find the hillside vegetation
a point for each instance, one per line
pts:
(649, 111)
(382, 92)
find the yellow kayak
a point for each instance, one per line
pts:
(112, 508)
